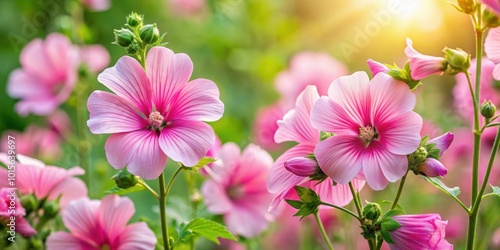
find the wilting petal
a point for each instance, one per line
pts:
(137, 236)
(64, 241)
(114, 213)
(148, 160)
(443, 142)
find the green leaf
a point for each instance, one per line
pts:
(496, 191)
(295, 204)
(455, 191)
(120, 191)
(208, 229)
(389, 224)
(397, 211)
(387, 236)
(203, 162)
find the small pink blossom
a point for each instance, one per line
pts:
(265, 125)
(97, 5)
(492, 49)
(95, 57)
(95, 224)
(154, 113)
(493, 5)
(419, 231)
(422, 65)
(50, 182)
(47, 77)
(374, 126)
(376, 67)
(237, 189)
(8, 201)
(186, 7)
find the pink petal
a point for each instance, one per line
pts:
(389, 98)
(114, 214)
(296, 125)
(21, 84)
(167, 72)
(187, 141)
(326, 115)
(64, 241)
(197, 100)
(27, 178)
(229, 154)
(96, 57)
(433, 168)
(42, 105)
(148, 160)
(339, 157)
(376, 67)
(496, 72)
(24, 228)
(443, 142)
(137, 236)
(492, 5)
(80, 218)
(246, 222)
(401, 135)
(69, 190)
(253, 168)
(122, 146)
(110, 113)
(26, 160)
(381, 166)
(62, 56)
(128, 80)
(215, 197)
(48, 178)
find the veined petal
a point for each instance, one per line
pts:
(122, 146)
(245, 221)
(137, 236)
(22, 85)
(281, 179)
(114, 213)
(196, 100)
(296, 124)
(443, 142)
(400, 135)
(215, 197)
(339, 157)
(80, 218)
(167, 72)
(492, 45)
(148, 160)
(381, 166)
(328, 116)
(389, 98)
(187, 141)
(69, 190)
(64, 240)
(128, 80)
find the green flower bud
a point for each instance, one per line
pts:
(124, 179)
(399, 74)
(124, 37)
(29, 203)
(372, 211)
(51, 209)
(467, 6)
(134, 20)
(488, 110)
(324, 135)
(490, 19)
(417, 157)
(457, 60)
(149, 33)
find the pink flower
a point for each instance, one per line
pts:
(97, 5)
(374, 126)
(95, 57)
(492, 48)
(36, 141)
(155, 113)
(238, 191)
(419, 231)
(296, 126)
(266, 125)
(301, 166)
(212, 153)
(47, 77)
(433, 167)
(11, 207)
(422, 65)
(186, 7)
(50, 182)
(376, 67)
(493, 5)
(95, 224)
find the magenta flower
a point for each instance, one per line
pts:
(50, 182)
(21, 225)
(421, 65)
(374, 126)
(419, 231)
(154, 113)
(238, 191)
(95, 224)
(493, 5)
(492, 48)
(97, 5)
(296, 126)
(433, 167)
(376, 67)
(47, 77)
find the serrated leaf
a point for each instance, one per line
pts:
(455, 191)
(120, 191)
(208, 229)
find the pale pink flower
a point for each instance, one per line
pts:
(95, 57)
(421, 65)
(35, 141)
(419, 231)
(47, 77)
(493, 5)
(265, 125)
(59, 122)
(376, 67)
(50, 182)
(237, 189)
(10, 206)
(97, 5)
(296, 126)
(461, 93)
(433, 167)
(95, 224)
(154, 113)
(492, 49)
(374, 126)
(186, 7)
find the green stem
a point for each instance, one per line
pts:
(355, 198)
(342, 209)
(172, 180)
(145, 185)
(163, 215)
(400, 190)
(323, 231)
(370, 244)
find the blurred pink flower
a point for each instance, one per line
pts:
(97, 5)
(429, 128)
(493, 5)
(95, 57)
(376, 67)
(237, 189)
(296, 126)
(212, 153)
(374, 126)
(50, 182)
(95, 224)
(154, 113)
(47, 77)
(21, 225)
(186, 7)
(433, 167)
(265, 125)
(422, 65)
(492, 48)
(34, 141)
(59, 122)
(419, 231)
(461, 93)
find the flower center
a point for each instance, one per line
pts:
(156, 120)
(367, 134)
(235, 192)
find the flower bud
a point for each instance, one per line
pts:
(134, 20)
(488, 110)
(29, 203)
(124, 179)
(376, 67)
(372, 211)
(490, 19)
(149, 33)
(457, 60)
(51, 209)
(35, 243)
(467, 6)
(432, 168)
(124, 37)
(417, 157)
(301, 166)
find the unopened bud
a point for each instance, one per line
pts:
(29, 203)
(432, 168)
(124, 179)
(325, 135)
(457, 61)
(124, 37)
(467, 6)
(417, 157)
(488, 110)
(134, 20)
(301, 166)
(371, 211)
(51, 209)
(490, 19)
(149, 33)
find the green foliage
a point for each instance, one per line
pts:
(455, 191)
(308, 204)
(121, 191)
(208, 229)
